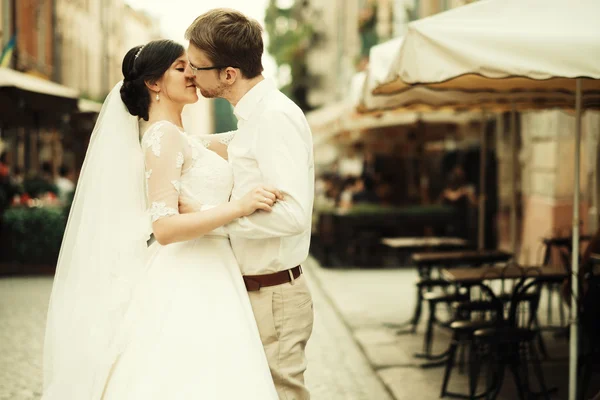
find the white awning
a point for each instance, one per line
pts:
(328, 119)
(381, 57)
(502, 46)
(424, 98)
(88, 106)
(29, 83)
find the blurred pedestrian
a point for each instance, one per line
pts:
(5, 186)
(347, 194)
(363, 192)
(64, 183)
(17, 176)
(4, 170)
(461, 197)
(47, 174)
(369, 169)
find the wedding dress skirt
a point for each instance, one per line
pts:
(190, 331)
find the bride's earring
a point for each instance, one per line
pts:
(157, 97)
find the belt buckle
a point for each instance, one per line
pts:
(252, 285)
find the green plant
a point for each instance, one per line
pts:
(367, 28)
(7, 192)
(225, 120)
(3, 199)
(290, 36)
(31, 235)
(367, 19)
(412, 13)
(36, 186)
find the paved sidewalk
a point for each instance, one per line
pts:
(23, 306)
(337, 368)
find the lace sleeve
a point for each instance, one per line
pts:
(217, 142)
(211, 140)
(225, 138)
(164, 154)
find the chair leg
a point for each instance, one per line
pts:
(523, 353)
(474, 368)
(550, 289)
(514, 369)
(495, 377)
(418, 309)
(561, 308)
(449, 363)
(586, 375)
(540, 339)
(427, 342)
(461, 357)
(537, 370)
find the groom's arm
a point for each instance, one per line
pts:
(283, 157)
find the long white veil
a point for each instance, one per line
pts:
(103, 251)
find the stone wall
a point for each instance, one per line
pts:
(547, 160)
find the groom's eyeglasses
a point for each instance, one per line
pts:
(196, 69)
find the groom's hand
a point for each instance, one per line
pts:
(188, 205)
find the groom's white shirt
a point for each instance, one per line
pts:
(273, 146)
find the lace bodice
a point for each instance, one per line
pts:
(180, 164)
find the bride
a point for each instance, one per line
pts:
(168, 320)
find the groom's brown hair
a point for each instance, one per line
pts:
(229, 39)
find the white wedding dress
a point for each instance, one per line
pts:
(189, 332)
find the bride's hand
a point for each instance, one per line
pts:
(188, 205)
(261, 198)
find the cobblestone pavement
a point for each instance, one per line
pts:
(23, 305)
(337, 368)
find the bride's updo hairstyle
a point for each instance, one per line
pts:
(142, 64)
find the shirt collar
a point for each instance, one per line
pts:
(252, 98)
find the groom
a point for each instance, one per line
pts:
(273, 146)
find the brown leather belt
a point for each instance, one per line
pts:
(255, 282)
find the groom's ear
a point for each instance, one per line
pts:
(231, 75)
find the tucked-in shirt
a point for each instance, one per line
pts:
(273, 146)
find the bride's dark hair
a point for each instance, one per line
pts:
(147, 65)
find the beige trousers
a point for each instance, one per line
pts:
(284, 315)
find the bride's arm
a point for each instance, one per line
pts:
(164, 153)
(183, 227)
